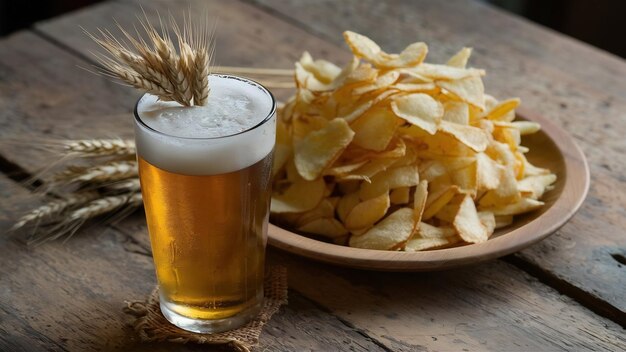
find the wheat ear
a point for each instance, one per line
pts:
(109, 172)
(100, 147)
(54, 208)
(104, 205)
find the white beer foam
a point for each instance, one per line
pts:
(221, 137)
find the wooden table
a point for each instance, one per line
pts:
(565, 293)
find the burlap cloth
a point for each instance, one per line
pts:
(151, 325)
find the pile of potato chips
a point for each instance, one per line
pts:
(393, 153)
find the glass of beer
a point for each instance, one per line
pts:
(205, 179)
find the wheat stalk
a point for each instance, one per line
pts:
(104, 205)
(129, 185)
(108, 172)
(100, 147)
(155, 66)
(54, 208)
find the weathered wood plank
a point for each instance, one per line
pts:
(578, 86)
(489, 307)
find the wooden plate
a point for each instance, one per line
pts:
(552, 148)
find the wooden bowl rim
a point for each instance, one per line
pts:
(568, 202)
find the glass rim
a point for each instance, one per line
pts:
(243, 79)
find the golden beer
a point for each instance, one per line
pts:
(207, 208)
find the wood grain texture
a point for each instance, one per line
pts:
(480, 308)
(576, 86)
(550, 148)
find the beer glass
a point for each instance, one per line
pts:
(207, 201)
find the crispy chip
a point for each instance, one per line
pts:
(419, 200)
(391, 232)
(346, 204)
(487, 172)
(468, 224)
(420, 110)
(299, 197)
(400, 195)
(325, 209)
(472, 137)
(382, 81)
(328, 227)
(421, 244)
(367, 213)
(488, 220)
(375, 129)
(534, 186)
(460, 59)
(320, 148)
(437, 200)
(456, 112)
(526, 127)
(502, 109)
(524, 205)
(405, 176)
(469, 90)
(364, 47)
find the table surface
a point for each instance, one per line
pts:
(565, 293)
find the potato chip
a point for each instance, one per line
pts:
(437, 200)
(364, 73)
(534, 186)
(526, 127)
(503, 221)
(507, 191)
(460, 59)
(425, 230)
(299, 197)
(325, 209)
(443, 72)
(399, 195)
(502, 109)
(367, 213)
(524, 205)
(432, 169)
(375, 129)
(472, 137)
(456, 112)
(381, 82)
(469, 90)
(320, 148)
(421, 244)
(467, 223)
(282, 153)
(391, 232)
(448, 212)
(415, 87)
(487, 172)
(488, 220)
(419, 200)
(324, 71)
(346, 204)
(420, 110)
(328, 227)
(364, 47)
(341, 170)
(369, 170)
(405, 176)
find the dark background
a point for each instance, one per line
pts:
(601, 23)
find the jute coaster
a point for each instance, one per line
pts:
(151, 325)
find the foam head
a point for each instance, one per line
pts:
(234, 130)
